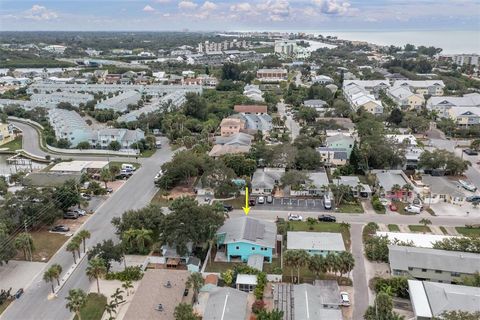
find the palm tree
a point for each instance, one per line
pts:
(72, 247)
(302, 261)
(129, 236)
(49, 277)
(347, 262)
(425, 221)
(84, 235)
(317, 265)
(127, 285)
(56, 272)
(76, 298)
(195, 281)
(105, 176)
(333, 262)
(290, 260)
(24, 242)
(96, 269)
(407, 188)
(143, 236)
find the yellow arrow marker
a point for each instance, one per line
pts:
(246, 209)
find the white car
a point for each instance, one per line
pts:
(345, 299)
(261, 200)
(80, 212)
(467, 186)
(413, 209)
(158, 175)
(294, 217)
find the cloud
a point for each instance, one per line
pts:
(333, 7)
(187, 5)
(148, 8)
(241, 7)
(162, 1)
(279, 9)
(38, 12)
(208, 6)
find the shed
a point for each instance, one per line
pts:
(246, 282)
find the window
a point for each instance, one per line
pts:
(410, 268)
(237, 247)
(424, 270)
(253, 248)
(455, 274)
(438, 271)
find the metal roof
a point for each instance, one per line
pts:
(255, 261)
(250, 230)
(226, 304)
(325, 241)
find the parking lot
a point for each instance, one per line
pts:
(286, 204)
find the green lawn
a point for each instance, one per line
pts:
(13, 145)
(393, 228)
(46, 245)
(350, 208)
(468, 231)
(419, 228)
(148, 153)
(160, 200)
(322, 227)
(94, 308)
(444, 230)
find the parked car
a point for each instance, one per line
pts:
(70, 215)
(158, 175)
(294, 217)
(467, 186)
(60, 228)
(470, 152)
(128, 166)
(109, 190)
(269, 199)
(413, 209)
(252, 201)
(86, 196)
(327, 218)
(393, 207)
(207, 199)
(327, 201)
(19, 293)
(345, 299)
(228, 207)
(261, 200)
(473, 199)
(80, 212)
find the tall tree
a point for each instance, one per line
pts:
(76, 300)
(84, 235)
(184, 311)
(48, 277)
(73, 247)
(24, 242)
(195, 281)
(317, 265)
(95, 270)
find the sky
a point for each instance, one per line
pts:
(239, 15)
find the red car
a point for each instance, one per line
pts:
(392, 207)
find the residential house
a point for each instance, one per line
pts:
(219, 150)
(441, 189)
(255, 122)
(157, 295)
(465, 117)
(341, 141)
(230, 126)
(359, 189)
(442, 105)
(102, 138)
(51, 100)
(241, 237)
(432, 264)
(6, 133)
(315, 185)
(226, 303)
(194, 264)
(333, 156)
(322, 79)
(250, 109)
(317, 104)
(69, 125)
(320, 301)
(394, 184)
(431, 299)
(120, 102)
(406, 99)
(430, 87)
(237, 139)
(265, 180)
(253, 92)
(362, 94)
(315, 243)
(272, 75)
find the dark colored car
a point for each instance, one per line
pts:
(327, 218)
(252, 201)
(19, 293)
(228, 207)
(470, 152)
(473, 199)
(60, 228)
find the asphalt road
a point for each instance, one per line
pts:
(360, 284)
(291, 124)
(134, 194)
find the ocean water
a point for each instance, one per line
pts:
(461, 41)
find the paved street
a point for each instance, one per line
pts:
(291, 124)
(360, 284)
(136, 193)
(289, 204)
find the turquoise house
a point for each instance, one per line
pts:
(241, 237)
(341, 141)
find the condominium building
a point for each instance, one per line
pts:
(359, 97)
(120, 102)
(430, 87)
(405, 98)
(53, 99)
(272, 75)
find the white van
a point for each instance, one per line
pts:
(413, 209)
(158, 144)
(128, 167)
(327, 201)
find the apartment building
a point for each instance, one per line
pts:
(432, 264)
(359, 97)
(430, 87)
(53, 99)
(120, 102)
(466, 59)
(230, 126)
(272, 75)
(406, 99)
(465, 111)
(253, 92)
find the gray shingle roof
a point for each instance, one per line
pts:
(226, 304)
(250, 230)
(309, 301)
(326, 241)
(235, 139)
(425, 258)
(266, 178)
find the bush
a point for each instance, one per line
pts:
(398, 286)
(376, 248)
(377, 205)
(258, 306)
(129, 274)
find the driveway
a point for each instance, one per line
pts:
(360, 284)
